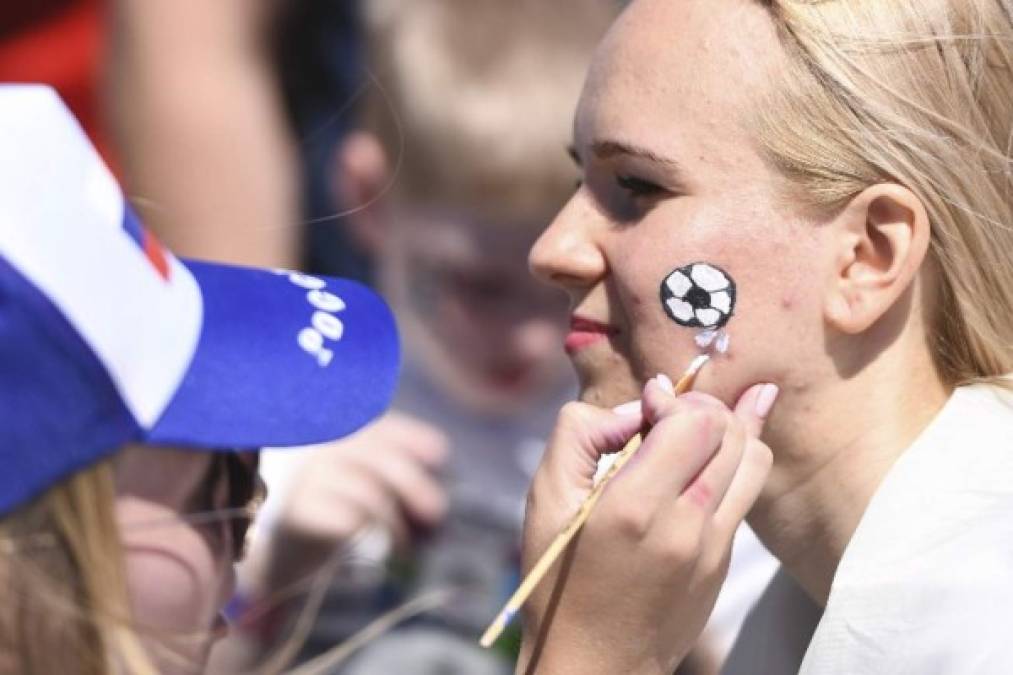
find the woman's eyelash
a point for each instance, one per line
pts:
(638, 187)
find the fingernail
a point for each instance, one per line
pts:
(665, 383)
(765, 399)
(630, 408)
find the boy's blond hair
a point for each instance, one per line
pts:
(473, 100)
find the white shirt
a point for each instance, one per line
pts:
(926, 583)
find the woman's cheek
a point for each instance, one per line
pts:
(659, 343)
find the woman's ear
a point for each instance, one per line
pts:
(883, 236)
(361, 177)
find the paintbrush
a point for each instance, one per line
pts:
(559, 544)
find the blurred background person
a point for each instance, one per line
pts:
(207, 153)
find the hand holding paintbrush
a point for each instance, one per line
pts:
(648, 564)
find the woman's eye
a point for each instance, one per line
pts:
(637, 187)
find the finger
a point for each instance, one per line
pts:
(746, 485)
(340, 510)
(409, 482)
(630, 408)
(364, 489)
(584, 433)
(423, 441)
(674, 451)
(707, 489)
(755, 405)
(660, 401)
(356, 518)
(657, 401)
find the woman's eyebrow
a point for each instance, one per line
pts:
(607, 149)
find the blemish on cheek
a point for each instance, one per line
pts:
(787, 302)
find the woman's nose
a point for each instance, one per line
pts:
(566, 254)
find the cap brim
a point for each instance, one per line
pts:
(268, 370)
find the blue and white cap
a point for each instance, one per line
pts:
(107, 338)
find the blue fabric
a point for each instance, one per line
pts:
(59, 410)
(250, 383)
(132, 226)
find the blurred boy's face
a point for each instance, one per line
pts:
(474, 318)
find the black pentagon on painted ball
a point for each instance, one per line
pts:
(698, 298)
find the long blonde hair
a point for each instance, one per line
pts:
(916, 92)
(65, 604)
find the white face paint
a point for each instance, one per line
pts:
(702, 296)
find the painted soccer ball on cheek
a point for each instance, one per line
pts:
(699, 296)
(702, 296)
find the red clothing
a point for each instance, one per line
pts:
(61, 43)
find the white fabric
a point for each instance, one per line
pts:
(926, 582)
(51, 176)
(749, 571)
(776, 633)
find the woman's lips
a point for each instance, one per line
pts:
(586, 332)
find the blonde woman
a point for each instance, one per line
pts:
(843, 169)
(117, 361)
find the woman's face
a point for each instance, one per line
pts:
(180, 566)
(673, 176)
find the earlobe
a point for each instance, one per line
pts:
(883, 237)
(361, 176)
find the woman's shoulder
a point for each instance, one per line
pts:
(929, 571)
(960, 466)
(971, 438)
(977, 432)
(987, 399)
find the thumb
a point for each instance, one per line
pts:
(582, 435)
(755, 405)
